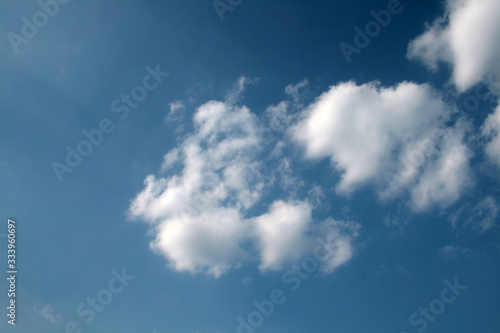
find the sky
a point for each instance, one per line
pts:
(251, 166)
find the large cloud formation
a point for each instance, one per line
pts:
(397, 139)
(394, 138)
(466, 38)
(199, 214)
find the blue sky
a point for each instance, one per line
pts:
(171, 164)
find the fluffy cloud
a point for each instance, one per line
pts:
(200, 213)
(374, 135)
(466, 38)
(196, 214)
(445, 178)
(287, 233)
(209, 241)
(280, 233)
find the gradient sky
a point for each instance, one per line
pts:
(259, 140)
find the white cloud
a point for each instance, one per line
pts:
(466, 38)
(297, 91)
(339, 236)
(282, 232)
(491, 131)
(196, 214)
(176, 112)
(480, 217)
(207, 242)
(287, 233)
(279, 119)
(199, 214)
(484, 214)
(445, 179)
(176, 107)
(235, 94)
(370, 132)
(170, 159)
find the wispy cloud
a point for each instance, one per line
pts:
(480, 216)
(48, 313)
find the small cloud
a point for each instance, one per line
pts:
(481, 217)
(392, 221)
(234, 95)
(485, 214)
(47, 312)
(170, 159)
(450, 252)
(490, 131)
(279, 119)
(176, 112)
(455, 217)
(176, 106)
(297, 91)
(316, 195)
(277, 150)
